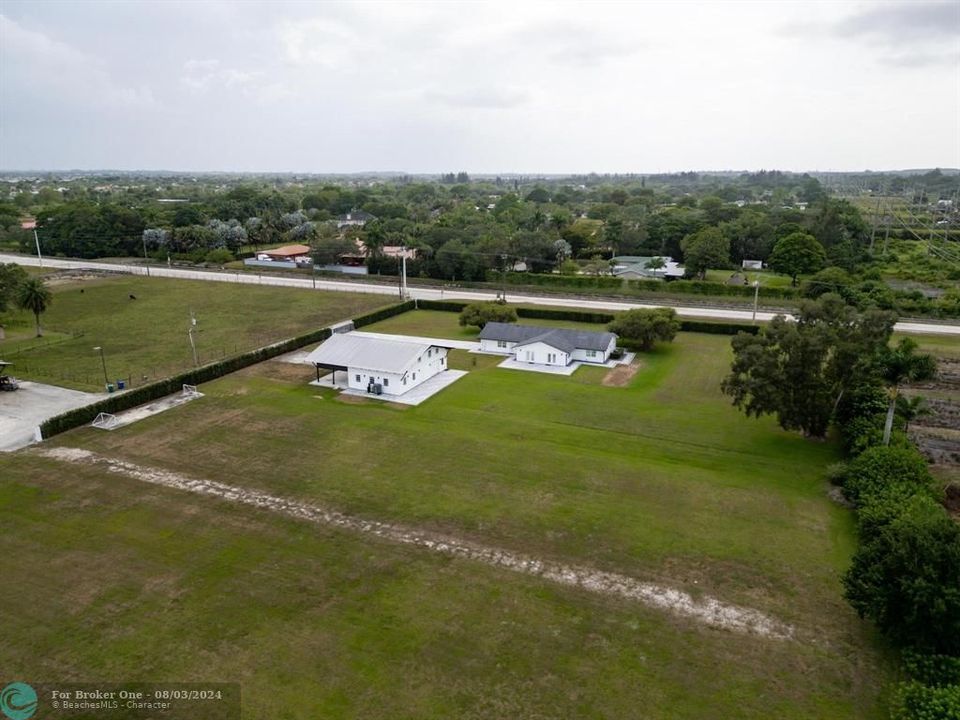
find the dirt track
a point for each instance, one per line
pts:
(706, 610)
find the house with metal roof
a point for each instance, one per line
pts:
(379, 366)
(547, 346)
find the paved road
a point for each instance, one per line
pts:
(430, 293)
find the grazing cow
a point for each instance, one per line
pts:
(132, 296)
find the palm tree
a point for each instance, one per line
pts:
(34, 296)
(899, 365)
(910, 408)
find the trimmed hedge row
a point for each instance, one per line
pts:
(588, 316)
(688, 287)
(206, 373)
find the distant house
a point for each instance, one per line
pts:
(752, 264)
(634, 267)
(547, 346)
(355, 218)
(378, 366)
(299, 254)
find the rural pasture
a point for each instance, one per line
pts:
(146, 337)
(660, 480)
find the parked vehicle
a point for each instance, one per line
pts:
(7, 383)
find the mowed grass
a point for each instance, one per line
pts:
(121, 581)
(661, 480)
(146, 338)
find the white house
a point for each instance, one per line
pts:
(547, 346)
(634, 267)
(355, 218)
(377, 366)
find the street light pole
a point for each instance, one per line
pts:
(756, 298)
(36, 239)
(103, 364)
(146, 262)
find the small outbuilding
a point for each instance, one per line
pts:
(378, 366)
(288, 253)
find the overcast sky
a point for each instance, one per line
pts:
(483, 87)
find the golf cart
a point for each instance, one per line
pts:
(7, 382)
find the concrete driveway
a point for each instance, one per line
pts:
(22, 411)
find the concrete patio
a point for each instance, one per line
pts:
(414, 396)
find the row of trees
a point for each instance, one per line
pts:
(835, 366)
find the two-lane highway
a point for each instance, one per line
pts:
(426, 293)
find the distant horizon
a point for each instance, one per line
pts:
(472, 174)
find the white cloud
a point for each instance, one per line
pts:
(52, 67)
(484, 86)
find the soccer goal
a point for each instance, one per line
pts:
(105, 421)
(191, 391)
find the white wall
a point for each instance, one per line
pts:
(493, 347)
(425, 368)
(601, 356)
(542, 354)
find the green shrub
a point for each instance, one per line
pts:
(880, 467)
(643, 328)
(479, 314)
(905, 577)
(218, 256)
(931, 669)
(916, 701)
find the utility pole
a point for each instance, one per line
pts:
(103, 364)
(503, 279)
(36, 239)
(193, 345)
(403, 272)
(756, 299)
(146, 262)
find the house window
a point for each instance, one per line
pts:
(501, 343)
(414, 376)
(404, 380)
(591, 353)
(358, 378)
(386, 382)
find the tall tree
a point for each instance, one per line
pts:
(899, 365)
(796, 254)
(646, 327)
(799, 370)
(34, 296)
(705, 249)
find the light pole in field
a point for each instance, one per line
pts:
(103, 364)
(756, 299)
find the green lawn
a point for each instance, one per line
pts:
(661, 480)
(146, 338)
(767, 278)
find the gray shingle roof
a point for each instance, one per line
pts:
(560, 338)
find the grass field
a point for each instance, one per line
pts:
(661, 480)
(146, 338)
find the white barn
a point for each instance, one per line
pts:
(379, 366)
(547, 346)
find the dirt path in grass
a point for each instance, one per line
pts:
(707, 610)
